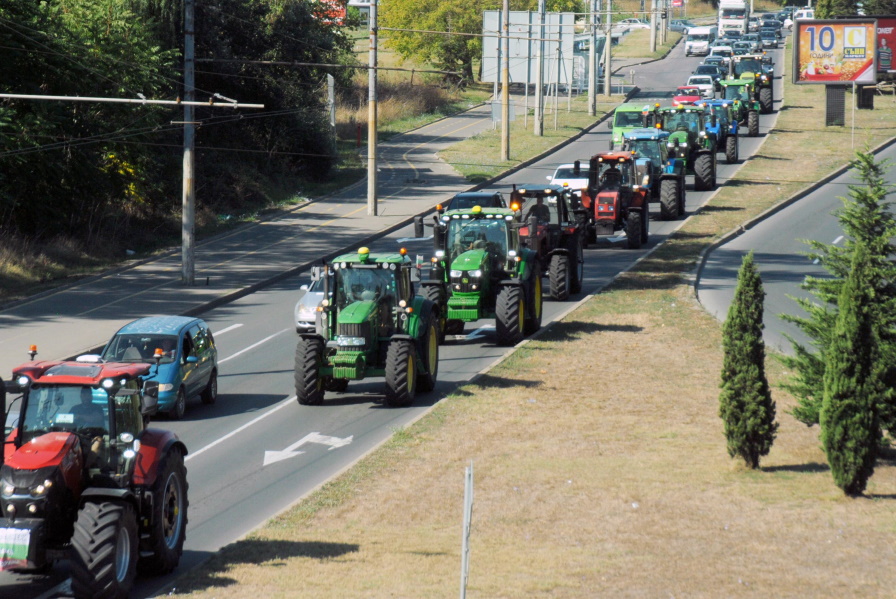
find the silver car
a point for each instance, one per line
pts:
(305, 313)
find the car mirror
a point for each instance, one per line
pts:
(192, 360)
(303, 288)
(549, 177)
(315, 273)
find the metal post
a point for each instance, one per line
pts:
(557, 82)
(371, 116)
(538, 127)
(653, 25)
(505, 82)
(592, 72)
(465, 539)
(331, 103)
(188, 203)
(608, 67)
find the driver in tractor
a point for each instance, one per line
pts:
(611, 179)
(87, 415)
(539, 211)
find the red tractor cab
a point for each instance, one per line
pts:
(616, 197)
(82, 478)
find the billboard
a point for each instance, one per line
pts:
(835, 51)
(524, 26)
(886, 41)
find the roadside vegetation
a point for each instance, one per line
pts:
(601, 466)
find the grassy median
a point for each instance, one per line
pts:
(600, 464)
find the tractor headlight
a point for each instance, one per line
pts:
(7, 489)
(456, 273)
(40, 490)
(346, 341)
(475, 273)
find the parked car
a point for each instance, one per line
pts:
(635, 23)
(680, 25)
(182, 350)
(467, 199)
(572, 176)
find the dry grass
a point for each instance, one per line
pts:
(600, 464)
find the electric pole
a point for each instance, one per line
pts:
(592, 61)
(505, 80)
(538, 128)
(371, 116)
(608, 69)
(188, 204)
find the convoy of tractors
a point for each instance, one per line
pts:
(83, 477)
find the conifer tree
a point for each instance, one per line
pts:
(828, 9)
(850, 432)
(745, 403)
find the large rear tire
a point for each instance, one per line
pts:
(104, 551)
(510, 314)
(732, 152)
(633, 230)
(169, 516)
(401, 376)
(703, 172)
(426, 380)
(309, 383)
(670, 189)
(765, 100)
(210, 394)
(558, 273)
(533, 320)
(753, 123)
(434, 294)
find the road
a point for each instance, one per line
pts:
(233, 488)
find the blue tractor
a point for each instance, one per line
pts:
(725, 127)
(665, 180)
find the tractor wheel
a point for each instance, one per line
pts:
(703, 174)
(401, 376)
(765, 100)
(558, 273)
(510, 314)
(309, 383)
(645, 226)
(433, 294)
(104, 551)
(533, 320)
(633, 230)
(578, 267)
(169, 516)
(732, 151)
(753, 123)
(210, 393)
(682, 197)
(180, 405)
(670, 190)
(426, 380)
(336, 385)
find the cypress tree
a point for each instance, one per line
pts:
(850, 432)
(745, 403)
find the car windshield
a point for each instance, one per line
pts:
(700, 81)
(477, 233)
(140, 347)
(357, 283)
(69, 408)
(735, 92)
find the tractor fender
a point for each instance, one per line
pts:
(154, 445)
(404, 337)
(122, 495)
(419, 318)
(511, 283)
(561, 251)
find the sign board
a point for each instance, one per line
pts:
(831, 52)
(559, 30)
(886, 42)
(677, 3)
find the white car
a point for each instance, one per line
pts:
(634, 24)
(723, 52)
(704, 83)
(566, 176)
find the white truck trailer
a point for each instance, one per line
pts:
(734, 15)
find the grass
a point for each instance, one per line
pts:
(600, 465)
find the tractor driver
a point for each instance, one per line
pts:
(539, 210)
(86, 414)
(612, 178)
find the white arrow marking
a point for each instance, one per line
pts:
(271, 457)
(479, 332)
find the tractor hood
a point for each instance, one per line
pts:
(470, 260)
(357, 312)
(46, 450)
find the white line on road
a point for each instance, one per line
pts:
(253, 346)
(838, 240)
(281, 405)
(228, 329)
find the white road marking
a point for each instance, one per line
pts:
(283, 404)
(253, 346)
(835, 242)
(479, 332)
(270, 457)
(228, 329)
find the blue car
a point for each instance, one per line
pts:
(184, 349)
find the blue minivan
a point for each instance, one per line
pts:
(188, 359)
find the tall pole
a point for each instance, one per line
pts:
(371, 116)
(592, 61)
(653, 25)
(188, 203)
(505, 82)
(608, 69)
(538, 128)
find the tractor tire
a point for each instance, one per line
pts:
(309, 383)
(645, 226)
(559, 275)
(210, 394)
(169, 516)
(765, 100)
(104, 551)
(510, 314)
(670, 200)
(732, 149)
(180, 405)
(426, 380)
(753, 123)
(401, 376)
(578, 267)
(536, 305)
(433, 294)
(703, 172)
(682, 197)
(633, 230)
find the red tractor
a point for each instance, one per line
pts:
(82, 478)
(616, 199)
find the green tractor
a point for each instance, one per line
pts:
(744, 108)
(370, 323)
(691, 141)
(753, 67)
(482, 270)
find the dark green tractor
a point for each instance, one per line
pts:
(369, 324)
(691, 141)
(482, 270)
(744, 107)
(753, 67)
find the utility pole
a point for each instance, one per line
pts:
(371, 116)
(505, 80)
(592, 61)
(538, 128)
(608, 68)
(188, 204)
(653, 25)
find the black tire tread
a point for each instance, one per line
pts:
(669, 200)
(753, 123)
(93, 550)
(703, 172)
(309, 388)
(400, 390)
(731, 149)
(507, 306)
(165, 559)
(633, 230)
(558, 274)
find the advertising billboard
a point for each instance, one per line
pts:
(886, 41)
(835, 51)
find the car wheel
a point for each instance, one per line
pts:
(180, 405)
(210, 393)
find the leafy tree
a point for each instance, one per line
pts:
(867, 221)
(880, 7)
(745, 403)
(828, 9)
(853, 385)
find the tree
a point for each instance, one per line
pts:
(853, 384)
(867, 221)
(880, 7)
(828, 9)
(745, 403)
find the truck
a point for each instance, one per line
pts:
(700, 40)
(734, 15)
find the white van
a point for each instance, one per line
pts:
(804, 13)
(699, 40)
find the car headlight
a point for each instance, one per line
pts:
(166, 386)
(346, 341)
(307, 314)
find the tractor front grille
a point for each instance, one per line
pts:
(356, 330)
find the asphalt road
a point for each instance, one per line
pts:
(253, 453)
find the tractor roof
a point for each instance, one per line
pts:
(363, 256)
(479, 212)
(78, 372)
(681, 108)
(632, 107)
(646, 133)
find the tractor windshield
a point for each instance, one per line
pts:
(736, 92)
(646, 148)
(747, 66)
(365, 284)
(477, 233)
(613, 175)
(682, 120)
(72, 408)
(138, 347)
(628, 119)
